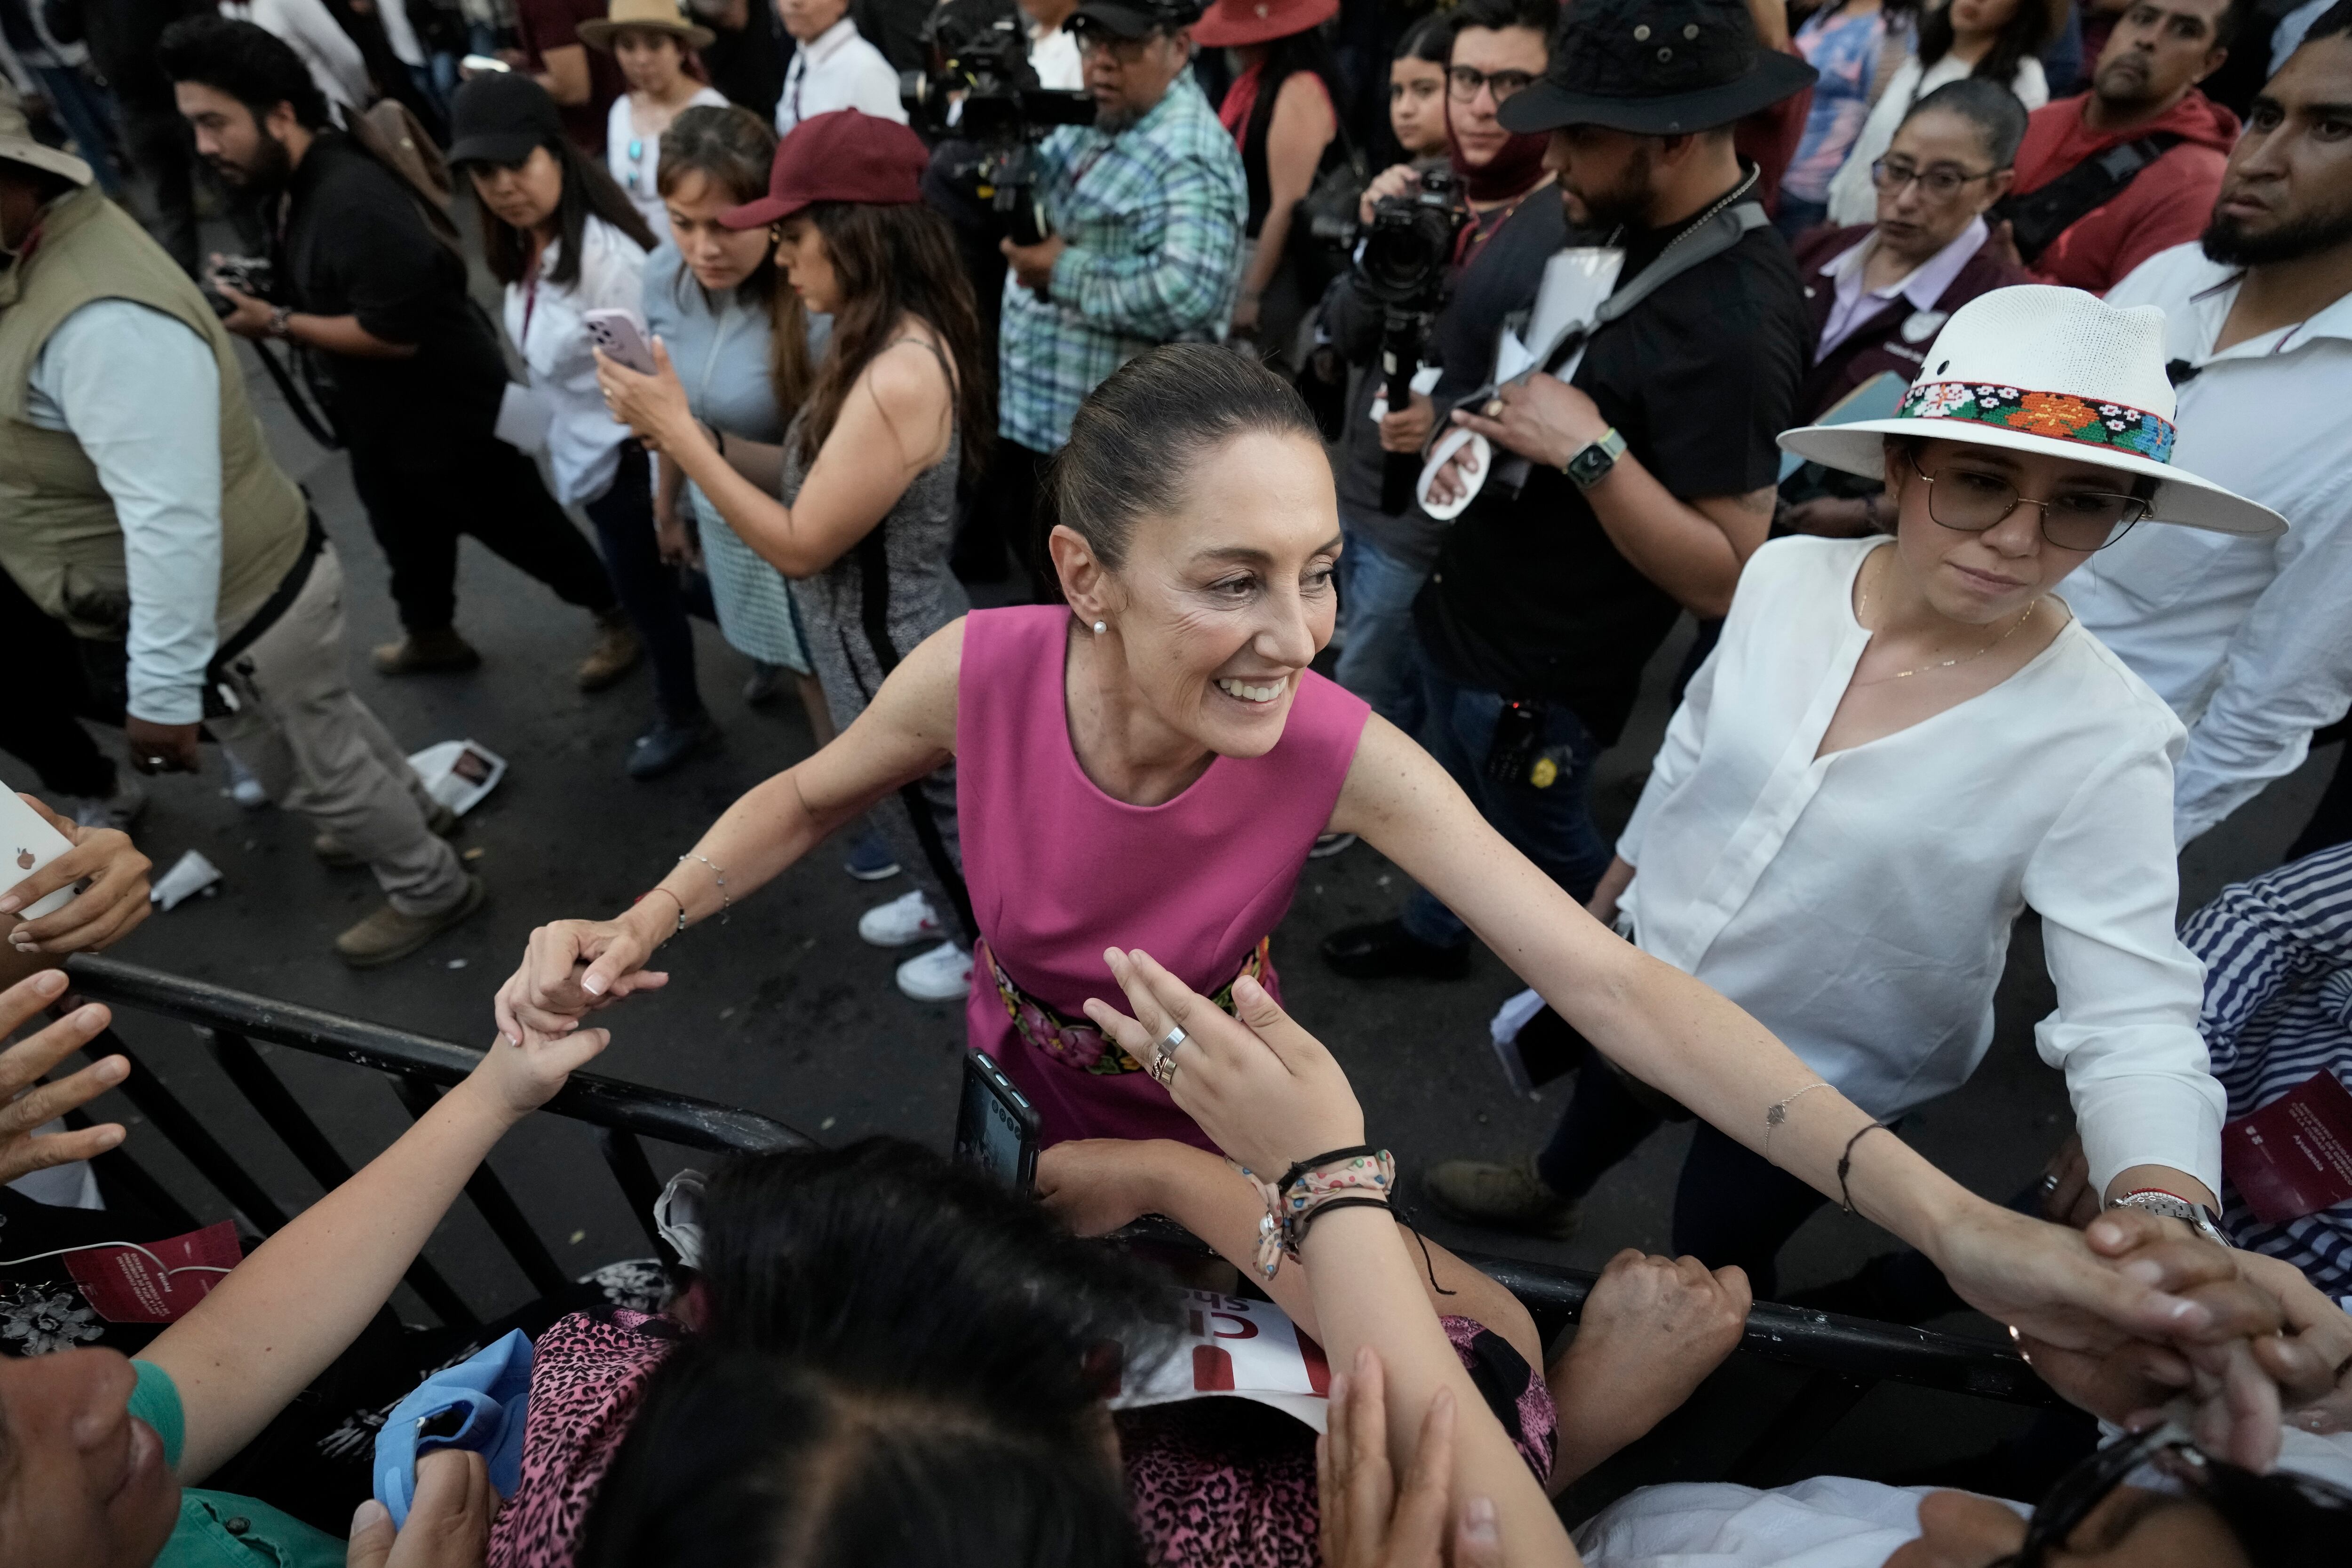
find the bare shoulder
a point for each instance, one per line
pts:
(919, 696)
(905, 374)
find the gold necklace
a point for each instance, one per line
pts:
(1863, 609)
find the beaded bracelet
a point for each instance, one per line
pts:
(717, 875)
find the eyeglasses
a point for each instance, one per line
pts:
(2286, 1510)
(1972, 502)
(1891, 175)
(1462, 82)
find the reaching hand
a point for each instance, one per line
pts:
(1366, 1521)
(1094, 1185)
(23, 1107)
(520, 1078)
(2312, 1360)
(448, 1525)
(113, 903)
(1403, 430)
(570, 969)
(1262, 1088)
(654, 406)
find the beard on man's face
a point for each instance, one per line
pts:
(266, 170)
(1624, 203)
(2227, 241)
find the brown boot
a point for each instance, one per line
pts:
(388, 934)
(441, 822)
(1501, 1197)
(441, 652)
(616, 652)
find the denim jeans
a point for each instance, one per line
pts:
(1551, 825)
(1376, 593)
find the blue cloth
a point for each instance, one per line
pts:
(491, 1390)
(1376, 592)
(1551, 825)
(141, 392)
(2278, 1008)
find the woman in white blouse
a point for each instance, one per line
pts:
(1897, 749)
(1996, 39)
(649, 40)
(565, 241)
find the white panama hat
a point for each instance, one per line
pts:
(2054, 370)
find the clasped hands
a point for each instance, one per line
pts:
(1539, 417)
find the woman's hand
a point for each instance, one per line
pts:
(672, 537)
(571, 968)
(654, 405)
(516, 1079)
(23, 1107)
(102, 913)
(448, 1525)
(2312, 1360)
(1366, 1521)
(1094, 1185)
(1263, 1088)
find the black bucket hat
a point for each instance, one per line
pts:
(1655, 67)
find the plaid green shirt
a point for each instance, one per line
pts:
(1153, 216)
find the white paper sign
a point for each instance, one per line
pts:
(1237, 1349)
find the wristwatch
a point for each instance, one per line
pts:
(2195, 1217)
(278, 316)
(1589, 467)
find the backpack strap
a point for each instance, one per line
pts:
(2037, 219)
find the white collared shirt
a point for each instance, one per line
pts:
(2250, 640)
(1859, 904)
(838, 70)
(1923, 285)
(547, 327)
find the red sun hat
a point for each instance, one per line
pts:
(843, 156)
(1230, 23)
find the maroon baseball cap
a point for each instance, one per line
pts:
(843, 156)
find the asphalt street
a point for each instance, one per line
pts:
(780, 1009)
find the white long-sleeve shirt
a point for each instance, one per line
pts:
(547, 327)
(1859, 904)
(2249, 639)
(838, 70)
(142, 393)
(310, 30)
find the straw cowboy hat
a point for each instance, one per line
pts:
(18, 146)
(649, 16)
(2054, 370)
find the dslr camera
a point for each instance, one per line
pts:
(981, 103)
(246, 274)
(1409, 244)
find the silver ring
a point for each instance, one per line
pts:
(1171, 1041)
(2050, 1183)
(1163, 1068)
(155, 761)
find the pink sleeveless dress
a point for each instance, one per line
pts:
(1059, 870)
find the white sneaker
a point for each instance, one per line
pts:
(942, 975)
(119, 810)
(242, 787)
(901, 922)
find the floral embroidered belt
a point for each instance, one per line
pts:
(1075, 1042)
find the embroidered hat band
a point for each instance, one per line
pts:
(2052, 413)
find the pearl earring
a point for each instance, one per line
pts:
(1100, 628)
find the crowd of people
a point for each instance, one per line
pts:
(1960, 370)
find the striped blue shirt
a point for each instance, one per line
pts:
(2278, 1008)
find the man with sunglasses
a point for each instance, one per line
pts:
(2251, 642)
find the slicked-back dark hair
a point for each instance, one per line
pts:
(1429, 40)
(253, 67)
(1137, 437)
(1542, 16)
(1991, 108)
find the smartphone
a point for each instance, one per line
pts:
(996, 1127)
(622, 336)
(474, 65)
(27, 843)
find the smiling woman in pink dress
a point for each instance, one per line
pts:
(1155, 764)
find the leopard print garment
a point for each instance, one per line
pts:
(1224, 1483)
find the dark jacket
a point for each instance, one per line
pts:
(1880, 342)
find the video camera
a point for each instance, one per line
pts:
(1407, 256)
(981, 95)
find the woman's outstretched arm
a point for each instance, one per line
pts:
(574, 966)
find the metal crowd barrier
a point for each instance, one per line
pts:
(1846, 1357)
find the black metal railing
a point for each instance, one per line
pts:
(1846, 1357)
(420, 1068)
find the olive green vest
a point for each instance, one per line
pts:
(58, 537)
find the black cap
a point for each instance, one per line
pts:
(498, 117)
(1134, 18)
(1655, 67)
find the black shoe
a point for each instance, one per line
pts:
(670, 742)
(1385, 948)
